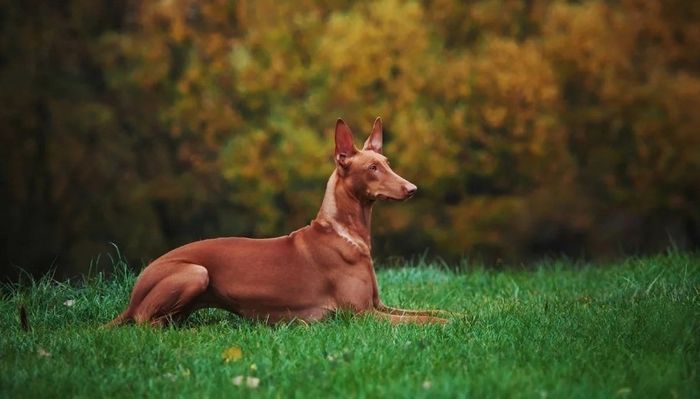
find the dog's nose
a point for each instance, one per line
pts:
(410, 189)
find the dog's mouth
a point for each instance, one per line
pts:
(390, 198)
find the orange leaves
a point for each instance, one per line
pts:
(495, 116)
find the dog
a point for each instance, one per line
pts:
(306, 275)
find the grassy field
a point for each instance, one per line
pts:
(557, 330)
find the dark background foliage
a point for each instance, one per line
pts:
(532, 128)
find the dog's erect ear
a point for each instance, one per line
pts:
(344, 147)
(374, 141)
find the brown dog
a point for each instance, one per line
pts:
(313, 271)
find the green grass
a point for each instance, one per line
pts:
(559, 330)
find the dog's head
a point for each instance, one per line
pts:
(366, 173)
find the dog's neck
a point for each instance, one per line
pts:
(346, 214)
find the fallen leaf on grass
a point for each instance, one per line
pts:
(232, 354)
(250, 382)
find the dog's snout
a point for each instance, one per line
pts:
(410, 189)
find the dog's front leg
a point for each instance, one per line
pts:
(409, 312)
(404, 318)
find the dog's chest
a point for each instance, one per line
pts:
(353, 286)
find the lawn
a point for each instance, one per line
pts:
(558, 329)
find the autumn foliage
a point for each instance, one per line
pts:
(530, 128)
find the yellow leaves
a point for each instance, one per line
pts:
(598, 39)
(423, 146)
(518, 95)
(516, 74)
(452, 79)
(276, 51)
(232, 354)
(379, 44)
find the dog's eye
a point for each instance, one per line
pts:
(373, 167)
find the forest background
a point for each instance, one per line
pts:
(532, 128)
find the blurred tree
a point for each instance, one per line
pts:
(631, 132)
(530, 127)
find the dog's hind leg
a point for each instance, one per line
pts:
(171, 297)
